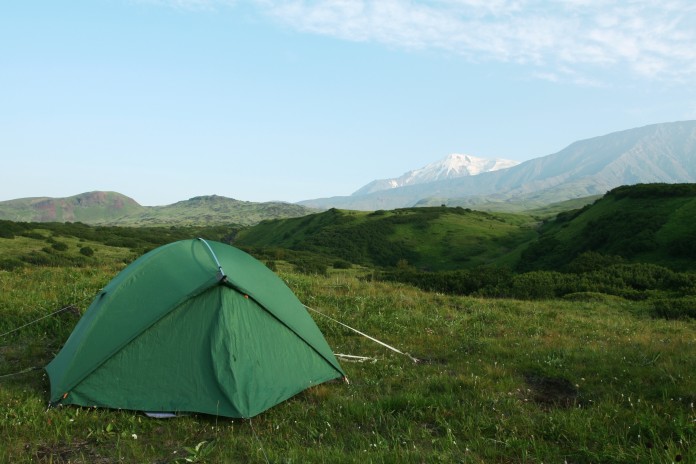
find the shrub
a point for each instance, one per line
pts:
(541, 285)
(9, 229)
(10, 264)
(34, 235)
(592, 261)
(342, 264)
(87, 251)
(675, 308)
(59, 246)
(483, 281)
(311, 267)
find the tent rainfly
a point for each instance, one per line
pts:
(192, 326)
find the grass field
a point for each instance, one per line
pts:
(594, 380)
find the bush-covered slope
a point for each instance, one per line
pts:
(76, 244)
(653, 223)
(427, 238)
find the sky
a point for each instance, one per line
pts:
(262, 100)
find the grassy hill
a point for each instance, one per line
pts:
(652, 223)
(111, 208)
(434, 238)
(91, 207)
(211, 210)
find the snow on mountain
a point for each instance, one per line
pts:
(453, 166)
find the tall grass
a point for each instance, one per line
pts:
(501, 381)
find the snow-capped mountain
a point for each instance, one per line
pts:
(453, 166)
(658, 153)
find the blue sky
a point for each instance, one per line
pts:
(260, 100)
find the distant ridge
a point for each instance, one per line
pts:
(656, 153)
(89, 207)
(112, 208)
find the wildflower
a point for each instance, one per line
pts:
(135, 436)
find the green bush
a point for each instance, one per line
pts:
(483, 281)
(10, 264)
(629, 281)
(9, 229)
(311, 267)
(675, 308)
(87, 251)
(59, 246)
(341, 264)
(592, 261)
(34, 235)
(539, 285)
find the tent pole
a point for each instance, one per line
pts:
(221, 273)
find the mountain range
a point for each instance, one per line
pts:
(656, 153)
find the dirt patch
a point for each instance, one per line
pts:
(79, 451)
(551, 391)
(70, 312)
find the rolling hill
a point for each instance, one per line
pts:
(91, 207)
(112, 208)
(650, 223)
(645, 223)
(436, 238)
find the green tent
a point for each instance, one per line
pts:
(192, 326)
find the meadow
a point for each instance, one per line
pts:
(589, 379)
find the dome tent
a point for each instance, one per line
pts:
(192, 326)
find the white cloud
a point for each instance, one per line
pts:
(651, 39)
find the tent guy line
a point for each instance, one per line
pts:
(39, 319)
(24, 371)
(415, 360)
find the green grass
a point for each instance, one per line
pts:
(590, 381)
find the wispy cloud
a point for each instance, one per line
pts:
(650, 39)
